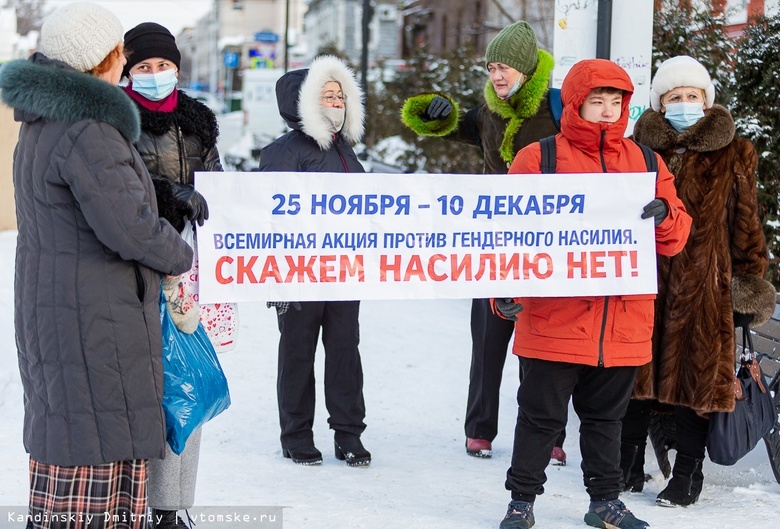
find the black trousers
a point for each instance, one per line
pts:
(691, 432)
(490, 337)
(600, 397)
(295, 383)
(636, 421)
(690, 428)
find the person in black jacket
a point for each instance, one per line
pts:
(178, 137)
(323, 105)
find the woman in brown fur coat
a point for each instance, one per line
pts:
(715, 283)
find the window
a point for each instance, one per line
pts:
(737, 11)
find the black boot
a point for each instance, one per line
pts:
(166, 520)
(350, 449)
(306, 455)
(632, 463)
(686, 483)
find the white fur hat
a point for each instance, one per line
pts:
(81, 35)
(682, 70)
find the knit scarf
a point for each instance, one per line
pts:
(164, 105)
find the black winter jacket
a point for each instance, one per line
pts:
(174, 145)
(499, 128)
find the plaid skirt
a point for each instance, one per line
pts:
(108, 496)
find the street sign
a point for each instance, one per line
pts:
(266, 36)
(230, 59)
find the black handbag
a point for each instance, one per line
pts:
(732, 435)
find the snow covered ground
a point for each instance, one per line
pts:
(416, 362)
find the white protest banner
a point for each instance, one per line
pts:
(341, 236)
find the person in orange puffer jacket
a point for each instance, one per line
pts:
(587, 349)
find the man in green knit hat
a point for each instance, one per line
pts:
(516, 112)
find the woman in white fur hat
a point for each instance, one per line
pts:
(90, 253)
(323, 105)
(713, 285)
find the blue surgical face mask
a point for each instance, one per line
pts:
(155, 86)
(515, 88)
(683, 115)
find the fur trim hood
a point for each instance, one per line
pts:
(714, 131)
(298, 97)
(192, 116)
(44, 88)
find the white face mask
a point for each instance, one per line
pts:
(155, 86)
(334, 117)
(683, 115)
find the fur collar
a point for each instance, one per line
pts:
(714, 131)
(313, 123)
(43, 88)
(521, 106)
(192, 116)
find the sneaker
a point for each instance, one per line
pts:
(479, 447)
(519, 515)
(612, 514)
(558, 457)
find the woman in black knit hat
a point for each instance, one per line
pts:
(178, 137)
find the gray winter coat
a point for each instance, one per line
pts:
(89, 254)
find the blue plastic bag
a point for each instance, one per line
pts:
(195, 388)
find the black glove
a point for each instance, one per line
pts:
(508, 308)
(742, 320)
(195, 204)
(656, 208)
(438, 108)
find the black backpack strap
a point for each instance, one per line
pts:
(556, 105)
(548, 155)
(651, 162)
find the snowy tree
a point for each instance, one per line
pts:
(689, 28)
(755, 104)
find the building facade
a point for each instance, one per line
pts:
(738, 12)
(240, 34)
(338, 24)
(442, 26)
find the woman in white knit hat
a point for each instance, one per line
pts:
(714, 285)
(90, 253)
